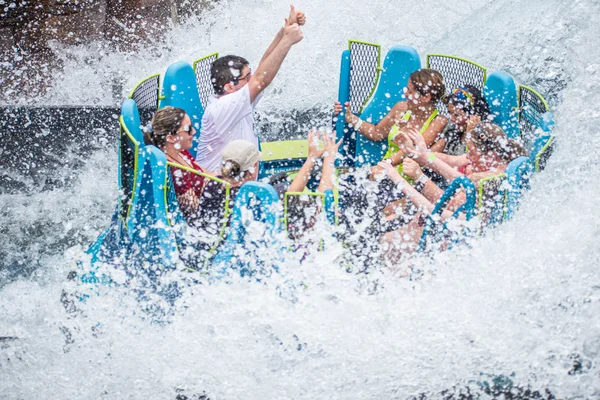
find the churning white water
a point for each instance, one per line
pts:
(519, 305)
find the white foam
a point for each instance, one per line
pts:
(522, 300)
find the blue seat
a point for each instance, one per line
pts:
(399, 63)
(518, 173)
(542, 149)
(180, 90)
(131, 156)
(255, 203)
(468, 208)
(501, 94)
(152, 236)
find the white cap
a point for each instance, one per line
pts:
(242, 152)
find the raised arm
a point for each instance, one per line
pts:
(295, 17)
(268, 68)
(314, 153)
(453, 161)
(378, 132)
(411, 193)
(417, 198)
(329, 156)
(416, 147)
(430, 190)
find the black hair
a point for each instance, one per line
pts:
(221, 71)
(478, 107)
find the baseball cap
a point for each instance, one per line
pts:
(242, 152)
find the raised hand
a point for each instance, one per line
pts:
(296, 17)
(314, 144)
(292, 32)
(377, 173)
(404, 144)
(337, 109)
(330, 145)
(301, 18)
(420, 147)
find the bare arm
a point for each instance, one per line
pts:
(301, 179)
(433, 131)
(267, 69)
(378, 132)
(453, 161)
(430, 190)
(272, 46)
(411, 193)
(418, 149)
(295, 17)
(438, 146)
(431, 161)
(417, 198)
(330, 154)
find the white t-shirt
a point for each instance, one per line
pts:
(229, 117)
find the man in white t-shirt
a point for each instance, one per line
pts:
(230, 114)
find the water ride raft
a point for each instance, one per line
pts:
(148, 231)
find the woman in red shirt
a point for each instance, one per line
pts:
(172, 132)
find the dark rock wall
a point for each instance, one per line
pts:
(27, 28)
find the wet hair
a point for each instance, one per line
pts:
(471, 101)
(490, 137)
(429, 82)
(166, 121)
(222, 71)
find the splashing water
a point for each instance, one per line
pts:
(519, 305)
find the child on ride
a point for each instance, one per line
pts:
(463, 102)
(489, 153)
(466, 108)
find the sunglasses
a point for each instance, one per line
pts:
(243, 78)
(188, 128)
